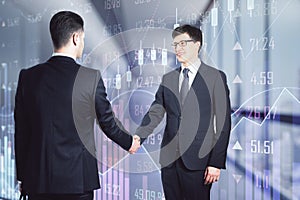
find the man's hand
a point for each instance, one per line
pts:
(211, 175)
(136, 144)
(20, 186)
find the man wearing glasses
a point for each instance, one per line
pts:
(195, 98)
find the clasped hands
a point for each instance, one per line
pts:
(136, 144)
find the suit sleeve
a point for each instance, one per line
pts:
(110, 125)
(222, 113)
(154, 115)
(21, 130)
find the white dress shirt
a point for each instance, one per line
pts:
(193, 69)
(63, 54)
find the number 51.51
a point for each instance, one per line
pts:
(263, 147)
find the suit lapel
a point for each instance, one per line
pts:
(174, 85)
(173, 82)
(198, 81)
(199, 77)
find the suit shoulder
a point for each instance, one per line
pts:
(31, 70)
(212, 70)
(89, 71)
(35, 67)
(209, 68)
(88, 74)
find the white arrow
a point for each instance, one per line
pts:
(237, 80)
(237, 178)
(237, 47)
(237, 146)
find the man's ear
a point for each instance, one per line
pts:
(199, 45)
(75, 38)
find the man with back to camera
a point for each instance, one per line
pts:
(195, 98)
(56, 105)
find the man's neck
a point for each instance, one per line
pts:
(190, 62)
(67, 50)
(64, 52)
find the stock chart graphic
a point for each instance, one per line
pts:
(252, 41)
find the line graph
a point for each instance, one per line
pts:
(284, 91)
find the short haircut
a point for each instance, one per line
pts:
(194, 32)
(62, 25)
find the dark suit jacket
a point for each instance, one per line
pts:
(198, 130)
(56, 105)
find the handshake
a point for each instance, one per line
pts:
(136, 144)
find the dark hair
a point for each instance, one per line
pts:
(62, 25)
(194, 32)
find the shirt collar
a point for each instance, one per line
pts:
(194, 67)
(63, 54)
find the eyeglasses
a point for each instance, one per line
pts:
(181, 43)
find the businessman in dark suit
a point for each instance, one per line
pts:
(195, 98)
(57, 103)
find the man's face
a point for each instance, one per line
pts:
(186, 50)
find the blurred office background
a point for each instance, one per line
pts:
(255, 42)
